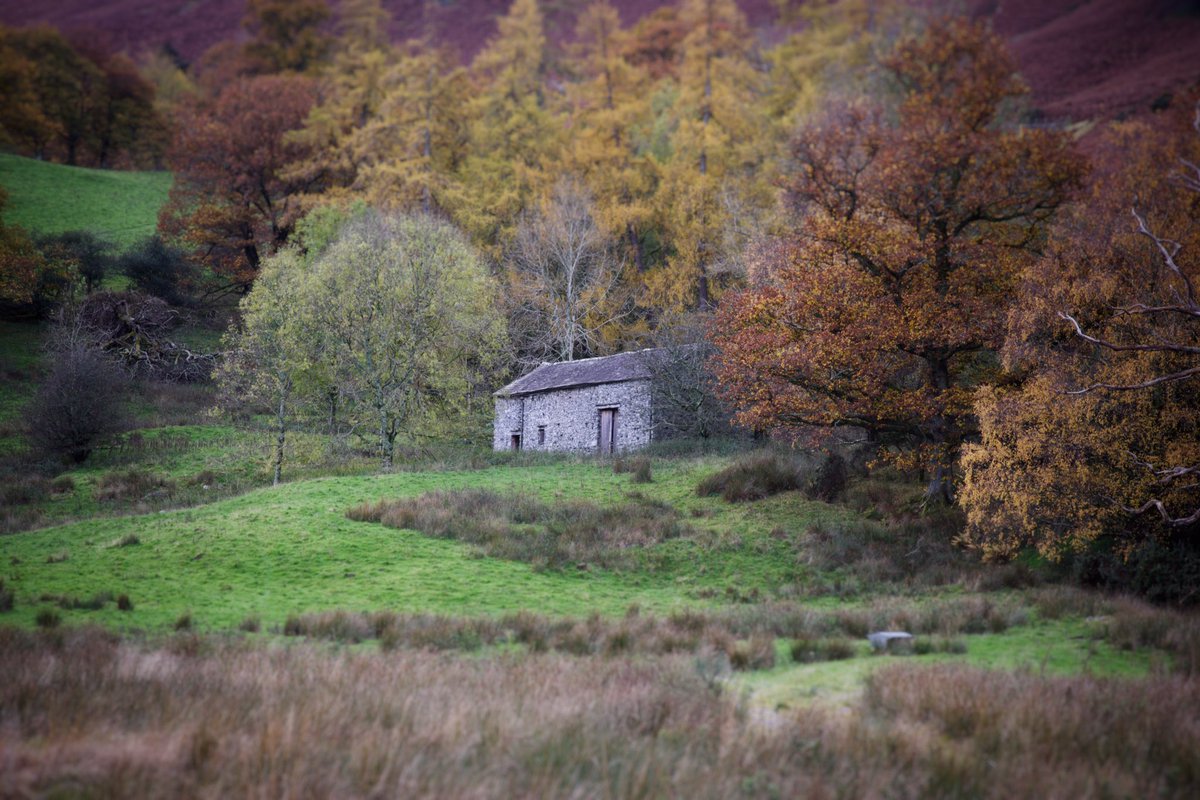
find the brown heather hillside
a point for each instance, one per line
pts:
(1083, 58)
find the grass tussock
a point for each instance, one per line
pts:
(132, 485)
(23, 490)
(522, 528)
(763, 474)
(638, 467)
(8, 598)
(204, 716)
(753, 478)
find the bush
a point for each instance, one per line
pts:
(90, 254)
(158, 269)
(521, 528)
(48, 618)
(20, 490)
(77, 406)
(753, 478)
(63, 484)
(807, 650)
(758, 652)
(639, 466)
(132, 484)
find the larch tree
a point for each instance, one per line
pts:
(609, 100)
(512, 131)
(1094, 438)
(286, 35)
(407, 156)
(886, 308)
(716, 164)
(351, 91)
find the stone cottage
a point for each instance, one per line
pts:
(592, 405)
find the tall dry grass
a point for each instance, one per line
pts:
(85, 714)
(523, 528)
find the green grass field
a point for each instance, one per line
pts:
(290, 549)
(52, 198)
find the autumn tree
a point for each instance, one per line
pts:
(232, 201)
(1094, 438)
(512, 130)
(609, 100)
(717, 155)
(286, 35)
(407, 156)
(23, 121)
(885, 309)
(351, 93)
(565, 286)
(21, 264)
(410, 312)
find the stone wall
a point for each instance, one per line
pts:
(571, 417)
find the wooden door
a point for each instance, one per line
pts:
(608, 431)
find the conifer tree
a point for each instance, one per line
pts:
(717, 154)
(512, 131)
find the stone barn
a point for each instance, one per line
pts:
(600, 405)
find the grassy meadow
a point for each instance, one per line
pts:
(47, 198)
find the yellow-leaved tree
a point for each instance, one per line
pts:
(1094, 443)
(512, 131)
(609, 100)
(715, 177)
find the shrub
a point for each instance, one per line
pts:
(758, 652)
(809, 650)
(131, 484)
(753, 478)
(77, 406)
(91, 254)
(641, 471)
(124, 603)
(521, 528)
(23, 490)
(48, 618)
(158, 269)
(63, 484)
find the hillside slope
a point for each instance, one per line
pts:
(51, 198)
(1083, 58)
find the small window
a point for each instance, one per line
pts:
(541, 434)
(515, 442)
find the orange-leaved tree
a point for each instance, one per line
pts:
(883, 311)
(1099, 438)
(233, 201)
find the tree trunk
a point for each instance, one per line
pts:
(280, 438)
(386, 442)
(940, 488)
(635, 242)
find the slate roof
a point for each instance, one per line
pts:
(584, 372)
